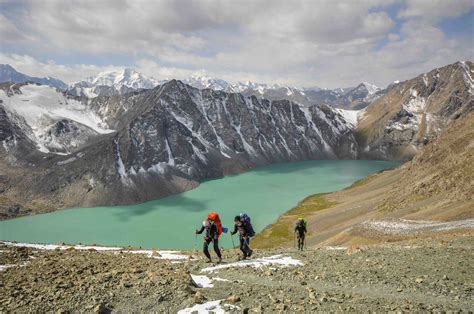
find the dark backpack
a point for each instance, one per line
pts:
(301, 225)
(247, 223)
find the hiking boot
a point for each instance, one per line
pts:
(209, 260)
(219, 260)
(250, 253)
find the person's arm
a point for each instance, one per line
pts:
(235, 230)
(200, 231)
(305, 230)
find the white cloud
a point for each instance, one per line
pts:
(9, 32)
(68, 73)
(330, 43)
(435, 9)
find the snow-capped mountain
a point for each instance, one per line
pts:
(111, 83)
(202, 82)
(9, 74)
(154, 142)
(50, 119)
(345, 98)
(260, 90)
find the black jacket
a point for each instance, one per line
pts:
(211, 231)
(300, 228)
(243, 230)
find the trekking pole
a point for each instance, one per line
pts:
(233, 244)
(195, 240)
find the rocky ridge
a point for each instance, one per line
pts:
(153, 143)
(415, 112)
(414, 275)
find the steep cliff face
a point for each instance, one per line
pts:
(197, 131)
(148, 144)
(415, 112)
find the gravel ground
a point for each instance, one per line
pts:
(416, 275)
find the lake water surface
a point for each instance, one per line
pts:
(264, 193)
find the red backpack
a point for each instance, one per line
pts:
(217, 221)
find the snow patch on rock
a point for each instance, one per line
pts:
(258, 262)
(202, 281)
(170, 255)
(394, 226)
(351, 117)
(209, 307)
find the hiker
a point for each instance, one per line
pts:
(245, 232)
(300, 230)
(213, 228)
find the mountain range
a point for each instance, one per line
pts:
(61, 150)
(119, 82)
(9, 74)
(112, 83)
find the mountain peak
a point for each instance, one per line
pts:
(9, 74)
(110, 82)
(371, 88)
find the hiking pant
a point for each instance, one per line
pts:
(205, 248)
(300, 241)
(244, 246)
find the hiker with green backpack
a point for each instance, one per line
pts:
(300, 230)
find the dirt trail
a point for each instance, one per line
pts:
(428, 274)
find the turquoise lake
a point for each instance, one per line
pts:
(169, 223)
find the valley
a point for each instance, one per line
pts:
(151, 143)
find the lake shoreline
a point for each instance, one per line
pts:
(263, 193)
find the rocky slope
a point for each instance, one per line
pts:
(420, 275)
(415, 112)
(149, 144)
(427, 196)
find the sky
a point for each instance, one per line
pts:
(325, 43)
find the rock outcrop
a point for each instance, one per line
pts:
(415, 112)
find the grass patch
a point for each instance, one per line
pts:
(362, 181)
(281, 231)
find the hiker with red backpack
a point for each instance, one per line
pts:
(213, 227)
(245, 229)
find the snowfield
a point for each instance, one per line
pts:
(42, 106)
(350, 116)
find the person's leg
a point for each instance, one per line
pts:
(242, 246)
(300, 242)
(249, 250)
(205, 249)
(216, 248)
